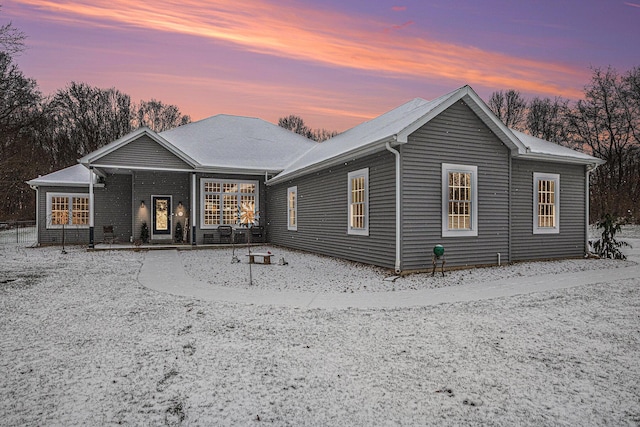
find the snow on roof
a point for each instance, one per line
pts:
(397, 123)
(544, 147)
(376, 130)
(73, 176)
(238, 142)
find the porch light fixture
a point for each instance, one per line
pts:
(142, 205)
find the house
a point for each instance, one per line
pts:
(445, 171)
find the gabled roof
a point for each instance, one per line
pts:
(395, 126)
(130, 137)
(73, 176)
(239, 143)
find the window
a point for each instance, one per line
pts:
(359, 202)
(546, 203)
(292, 208)
(68, 210)
(459, 200)
(222, 200)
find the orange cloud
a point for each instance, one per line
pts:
(316, 36)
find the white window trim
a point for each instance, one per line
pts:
(69, 196)
(446, 231)
(356, 174)
(546, 177)
(222, 182)
(294, 191)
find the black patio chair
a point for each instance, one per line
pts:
(226, 233)
(257, 234)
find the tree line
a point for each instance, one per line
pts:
(40, 134)
(605, 123)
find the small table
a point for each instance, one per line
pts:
(266, 257)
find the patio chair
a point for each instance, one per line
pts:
(108, 235)
(226, 233)
(257, 234)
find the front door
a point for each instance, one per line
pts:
(161, 216)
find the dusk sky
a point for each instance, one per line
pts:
(335, 63)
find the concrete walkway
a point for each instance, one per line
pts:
(163, 271)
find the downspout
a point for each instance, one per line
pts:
(91, 209)
(193, 208)
(588, 170)
(396, 153)
(509, 211)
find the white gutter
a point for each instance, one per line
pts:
(586, 213)
(396, 153)
(332, 161)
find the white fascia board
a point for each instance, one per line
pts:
(593, 162)
(403, 136)
(341, 158)
(143, 168)
(494, 123)
(34, 183)
(479, 107)
(236, 170)
(113, 146)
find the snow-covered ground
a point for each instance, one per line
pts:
(83, 343)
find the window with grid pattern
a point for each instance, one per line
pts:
(59, 210)
(222, 200)
(67, 209)
(292, 208)
(459, 200)
(80, 211)
(359, 202)
(546, 203)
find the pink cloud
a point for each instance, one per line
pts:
(291, 31)
(399, 8)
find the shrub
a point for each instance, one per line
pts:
(607, 246)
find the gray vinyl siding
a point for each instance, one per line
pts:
(143, 152)
(112, 205)
(570, 242)
(323, 213)
(148, 184)
(262, 202)
(456, 136)
(53, 236)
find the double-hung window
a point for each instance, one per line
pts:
(223, 201)
(459, 200)
(292, 208)
(358, 202)
(546, 203)
(67, 209)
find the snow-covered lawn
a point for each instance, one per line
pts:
(83, 343)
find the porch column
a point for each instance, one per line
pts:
(193, 208)
(91, 224)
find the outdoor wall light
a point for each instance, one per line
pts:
(142, 205)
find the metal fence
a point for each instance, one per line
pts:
(18, 232)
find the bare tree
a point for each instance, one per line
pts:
(510, 107)
(546, 119)
(85, 118)
(20, 158)
(297, 125)
(158, 116)
(601, 124)
(11, 39)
